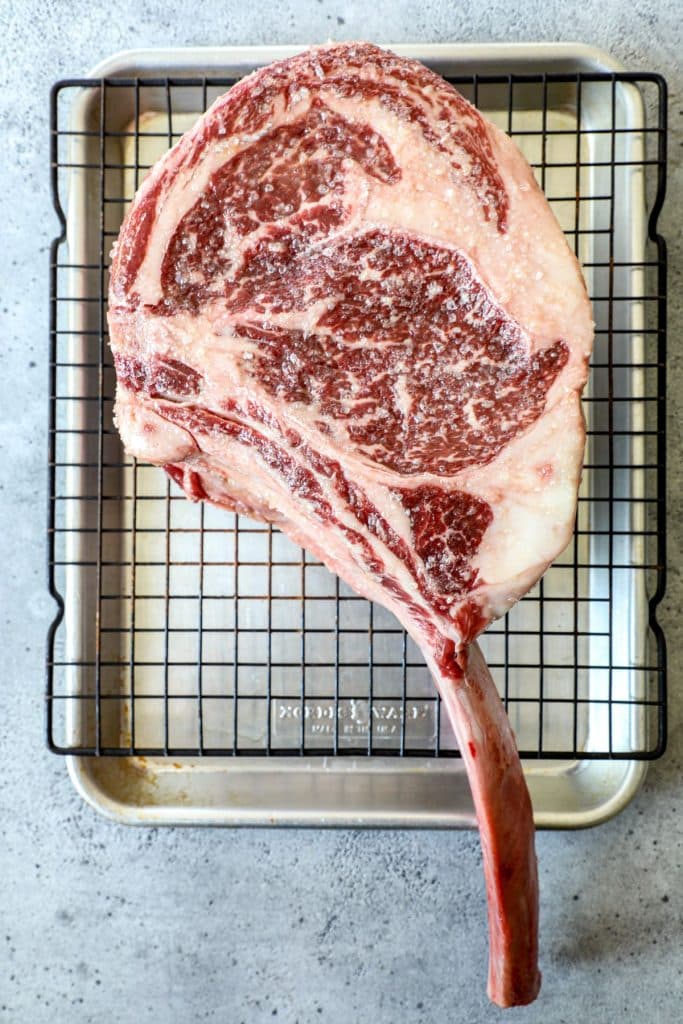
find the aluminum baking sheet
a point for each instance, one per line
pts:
(344, 790)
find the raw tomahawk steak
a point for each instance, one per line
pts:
(341, 304)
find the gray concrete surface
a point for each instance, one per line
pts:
(100, 923)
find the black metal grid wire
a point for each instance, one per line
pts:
(183, 631)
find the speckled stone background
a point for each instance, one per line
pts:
(103, 923)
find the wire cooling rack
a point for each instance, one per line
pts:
(183, 630)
